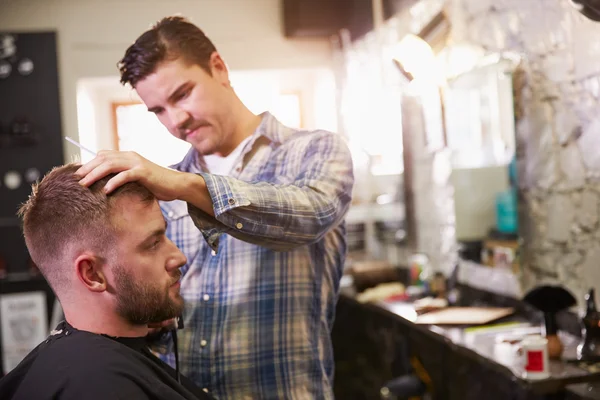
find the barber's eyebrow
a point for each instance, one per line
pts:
(173, 96)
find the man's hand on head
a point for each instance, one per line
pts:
(165, 183)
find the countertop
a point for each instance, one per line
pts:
(583, 391)
(483, 344)
(566, 374)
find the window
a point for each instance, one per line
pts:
(136, 129)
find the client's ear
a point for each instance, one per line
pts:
(89, 271)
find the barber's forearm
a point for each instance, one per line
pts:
(194, 191)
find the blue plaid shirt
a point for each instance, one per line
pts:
(262, 276)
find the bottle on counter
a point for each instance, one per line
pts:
(589, 348)
(419, 269)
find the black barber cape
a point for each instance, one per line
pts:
(79, 365)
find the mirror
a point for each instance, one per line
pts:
(369, 104)
(480, 133)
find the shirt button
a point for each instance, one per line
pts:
(239, 225)
(203, 343)
(205, 390)
(214, 253)
(170, 214)
(231, 201)
(206, 297)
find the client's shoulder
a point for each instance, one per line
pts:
(85, 352)
(70, 363)
(89, 342)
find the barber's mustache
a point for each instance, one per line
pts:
(190, 125)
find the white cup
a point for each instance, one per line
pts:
(533, 354)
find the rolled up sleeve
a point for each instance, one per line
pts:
(283, 216)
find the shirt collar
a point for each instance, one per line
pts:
(269, 127)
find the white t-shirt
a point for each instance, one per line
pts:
(218, 165)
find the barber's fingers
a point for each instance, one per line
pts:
(170, 323)
(105, 164)
(103, 170)
(121, 178)
(101, 157)
(153, 331)
(108, 166)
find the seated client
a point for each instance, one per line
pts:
(114, 272)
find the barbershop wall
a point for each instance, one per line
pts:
(558, 130)
(258, 89)
(558, 134)
(93, 34)
(433, 195)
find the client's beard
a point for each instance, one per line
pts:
(143, 303)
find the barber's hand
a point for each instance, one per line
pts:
(155, 328)
(165, 183)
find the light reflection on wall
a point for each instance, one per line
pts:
(372, 115)
(303, 98)
(86, 122)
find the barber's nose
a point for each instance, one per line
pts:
(178, 117)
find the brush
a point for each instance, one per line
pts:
(550, 300)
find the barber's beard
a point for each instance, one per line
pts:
(144, 303)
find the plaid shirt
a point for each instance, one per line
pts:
(262, 276)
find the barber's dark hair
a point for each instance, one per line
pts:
(169, 39)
